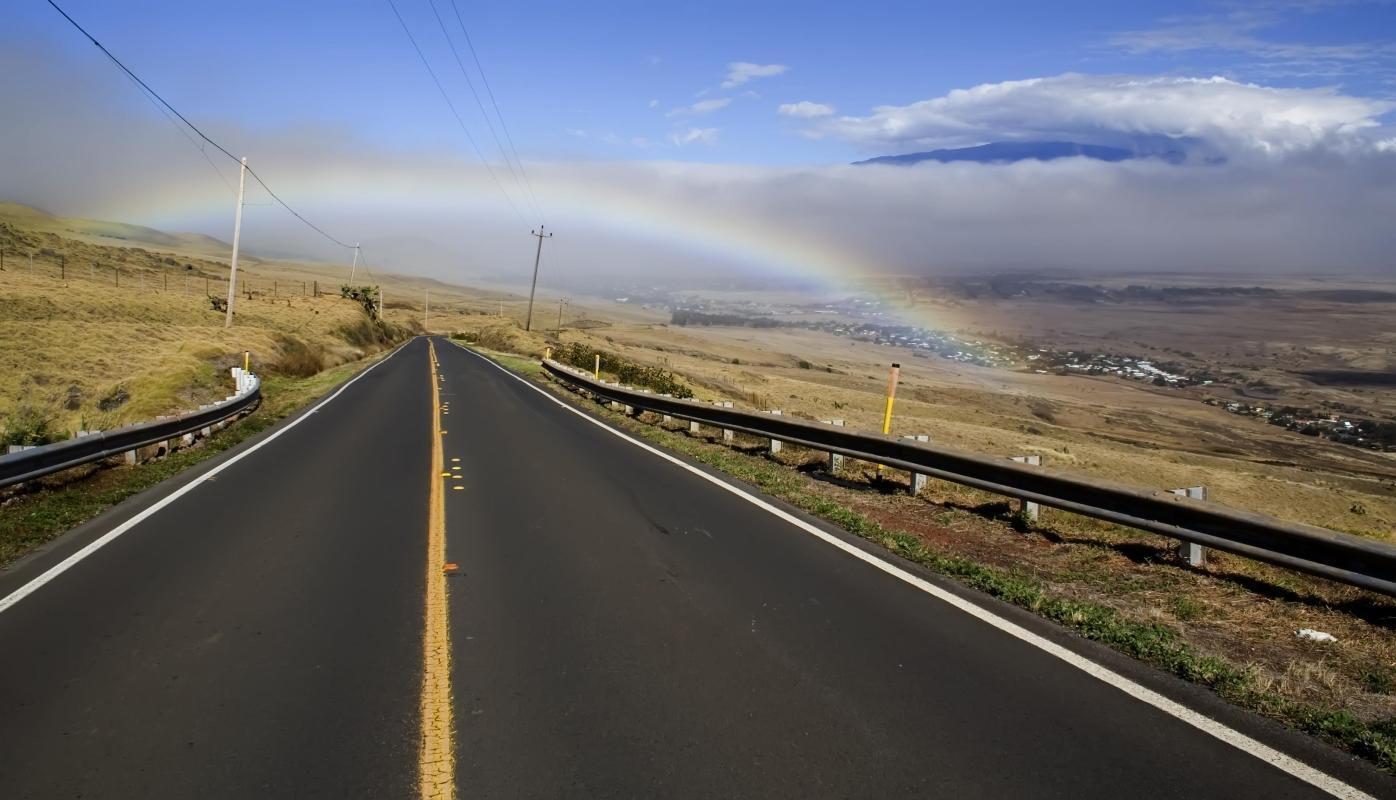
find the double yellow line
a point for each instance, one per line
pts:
(437, 756)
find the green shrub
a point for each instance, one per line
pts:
(626, 371)
(28, 427)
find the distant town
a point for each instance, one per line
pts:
(862, 319)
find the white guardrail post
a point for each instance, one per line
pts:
(775, 443)
(1192, 552)
(1029, 508)
(728, 435)
(835, 459)
(918, 480)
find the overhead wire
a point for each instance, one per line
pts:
(452, 106)
(185, 133)
(478, 102)
(163, 102)
(502, 124)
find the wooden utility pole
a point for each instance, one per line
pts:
(237, 236)
(528, 321)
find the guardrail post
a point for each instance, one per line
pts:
(1029, 508)
(918, 481)
(694, 427)
(775, 443)
(1192, 552)
(728, 435)
(835, 459)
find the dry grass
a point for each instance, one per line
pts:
(87, 353)
(1120, 431)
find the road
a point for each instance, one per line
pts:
(617, 625)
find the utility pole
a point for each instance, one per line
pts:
(528, 322)
(237, 236)
(560, 302)
(354, 268)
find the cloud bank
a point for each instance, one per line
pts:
(1239, 119)
(90, 148)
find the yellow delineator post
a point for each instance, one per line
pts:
(246, 360)
(597, 372)
(548, 353)
(892, 378)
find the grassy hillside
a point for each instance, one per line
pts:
(94, 335)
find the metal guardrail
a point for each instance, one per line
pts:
(1342, 557)
(36, 462)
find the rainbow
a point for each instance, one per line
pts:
(750, 243)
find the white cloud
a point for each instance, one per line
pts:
(653, 103)
(701, 107)
(805, 109)
(89, 138)
(739, 72)
(694, 136)
(1239, 31)
(1237, 118)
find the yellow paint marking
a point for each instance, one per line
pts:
(455, 459)
(458, 488)
(437, 756)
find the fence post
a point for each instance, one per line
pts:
(1192, 552)
(835, 459)
(63, 268)
(918, 480)
(775, 443)
(116, 271)
(1028, 507)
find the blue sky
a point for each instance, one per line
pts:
(602, 81)
(674, 139)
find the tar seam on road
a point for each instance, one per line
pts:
(437, 759)
(97, 544)
(1218, 730)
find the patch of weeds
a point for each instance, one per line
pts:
(1186, 608)
(114, 399)
(1379, 680)
(28, 427)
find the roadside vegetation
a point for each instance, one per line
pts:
(95, 336)
(1229, 626)
(68, 499)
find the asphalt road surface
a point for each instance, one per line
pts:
(618, 627)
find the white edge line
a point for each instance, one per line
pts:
(97, 544)
(1235, 738)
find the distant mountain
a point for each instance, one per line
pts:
(104, 232)
(1009, 152)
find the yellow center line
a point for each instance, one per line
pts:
(437, 758)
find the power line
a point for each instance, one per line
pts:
(185, 133)
(191, 125)
(454, 112)
(502, 124)
(478, 102)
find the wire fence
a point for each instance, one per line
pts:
(179, 278)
